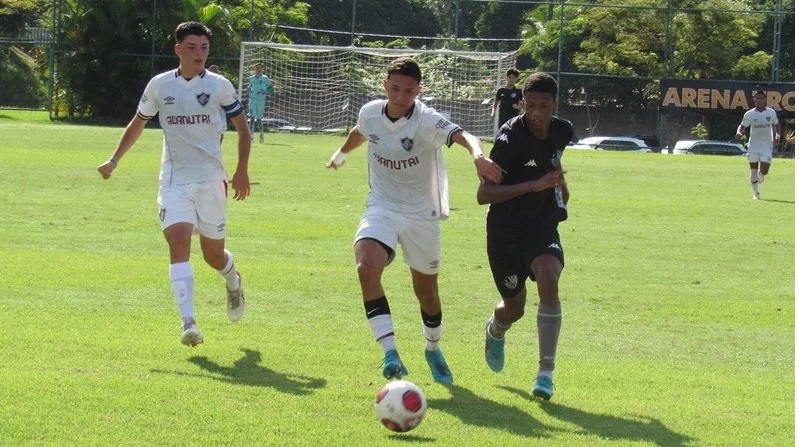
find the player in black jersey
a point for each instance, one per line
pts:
(522, 223)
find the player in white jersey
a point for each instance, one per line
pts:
(764, 133)
(193, 182)
(407, 200)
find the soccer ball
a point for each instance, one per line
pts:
(400, 406)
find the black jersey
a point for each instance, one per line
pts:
(524, 157)
(507, 98)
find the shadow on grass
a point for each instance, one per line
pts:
(607, 427)
(790, 202)
(474, 410)
(247, 371)
(413, 439)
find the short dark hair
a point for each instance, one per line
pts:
(541, 82)
(405, 66)
(759, 92)
(191, 29)
(512, 71)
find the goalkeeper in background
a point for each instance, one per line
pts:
(260, 88)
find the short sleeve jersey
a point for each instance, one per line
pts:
(406, 166)
(260, 87)
(524, 158)
(191, 113)
(760, 128)
(506, 99)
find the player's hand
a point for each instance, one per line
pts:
(488, 171)
(241, 185)
(106, 169)
(552, 179)
(337, 160)
(739, 136)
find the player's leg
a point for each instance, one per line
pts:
(754, 160)
(546, 270)
(178, 218)
(211, 200)
(375, 240)
(421, 247)
(509, 272)
(251, 109)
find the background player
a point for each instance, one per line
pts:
(764, 134)
(259, 90)
(508, 99)
(408, 197)
(193, 182)
(522, 224)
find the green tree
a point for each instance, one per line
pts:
(23, 85)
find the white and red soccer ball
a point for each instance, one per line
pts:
(400, 406)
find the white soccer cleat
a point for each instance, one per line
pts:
(235, 303)
(756, 196)
(191, 334)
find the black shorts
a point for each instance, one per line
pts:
(510, 259)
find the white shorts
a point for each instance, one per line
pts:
(420, 238)
(203, 205)
(762, 156)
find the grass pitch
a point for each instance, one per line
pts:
(678, 297)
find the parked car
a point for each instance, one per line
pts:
(706, 147)
(613, 144)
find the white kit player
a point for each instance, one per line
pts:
(407, 199)
(764, 133)
(191, 103)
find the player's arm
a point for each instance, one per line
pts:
(487, 170)
(776, 132)
(354, 139)
(241, 177)
(129, 137)
(496, 193)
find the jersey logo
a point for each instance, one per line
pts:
(373, 138)
(555, 246)
(511, 281)
(443, 124)
(503, 137)
(407, 143)
(203, 98)
(531, 163)
(169, 100)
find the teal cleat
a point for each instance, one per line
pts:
(495, 352)
(438, 366)
(392, 366)
(543, 388)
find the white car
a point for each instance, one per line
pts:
(706, 147)
(612, 144)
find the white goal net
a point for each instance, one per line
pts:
(321, 88)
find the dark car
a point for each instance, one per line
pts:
(707, 147)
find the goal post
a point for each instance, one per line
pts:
(321, 88)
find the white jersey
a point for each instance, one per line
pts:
(191, 113)
(761, 136)
(406, 166)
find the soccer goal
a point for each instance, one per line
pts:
(321, 88)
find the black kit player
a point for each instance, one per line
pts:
(522, 224)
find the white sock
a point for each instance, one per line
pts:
(544, 373)
(432, 336)
(383, 330)
(182, 279)
(229, 273)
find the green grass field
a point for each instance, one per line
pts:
(678, 298)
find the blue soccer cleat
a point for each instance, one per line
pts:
(392, 366)
(438, 366)
(543, 388)
(495, 352)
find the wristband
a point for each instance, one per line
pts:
(338, 158)
(113, 162)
